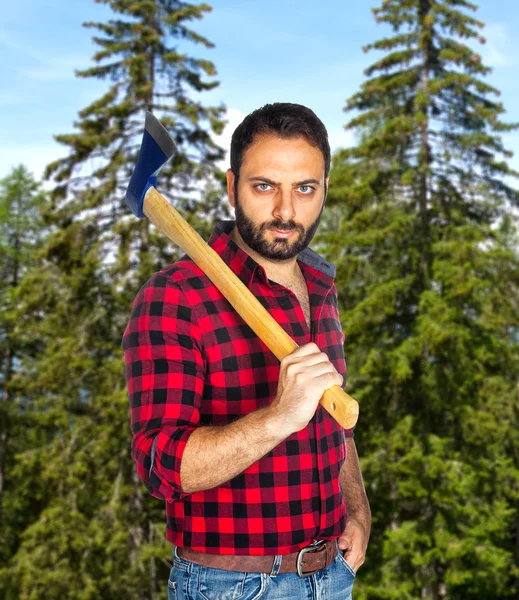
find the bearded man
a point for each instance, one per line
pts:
(263, 490)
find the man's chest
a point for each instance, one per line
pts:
(299, 288)
(241, 373)
(301, 292)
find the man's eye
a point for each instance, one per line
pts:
(309, 189)
(263, 189)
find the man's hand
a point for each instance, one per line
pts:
(354, 539)
(304, 375)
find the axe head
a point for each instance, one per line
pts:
(156, 149)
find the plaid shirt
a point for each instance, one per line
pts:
(191, 361)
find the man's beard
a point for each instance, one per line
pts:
(279, 248)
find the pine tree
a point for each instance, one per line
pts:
(97, 533)
(425, 243)
(21, 234)
(140, 53)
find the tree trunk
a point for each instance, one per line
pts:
(424, 155)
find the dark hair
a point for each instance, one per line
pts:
(284, 119)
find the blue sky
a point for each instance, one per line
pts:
(265, 51)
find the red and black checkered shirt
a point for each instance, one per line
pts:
(192, 361)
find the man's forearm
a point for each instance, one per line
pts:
(215, 454)
(352, 485)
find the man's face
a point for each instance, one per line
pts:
(281, 187)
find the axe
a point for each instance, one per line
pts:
(142, 198)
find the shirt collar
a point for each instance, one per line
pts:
(312, 265)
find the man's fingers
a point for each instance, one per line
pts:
(354, 559)
(352, 542)
(345, 543)
(353, 556)
(305, 349)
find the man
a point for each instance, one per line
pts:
(264, 495)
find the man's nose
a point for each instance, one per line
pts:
(284, 208)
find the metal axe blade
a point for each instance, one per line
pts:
(157, 148)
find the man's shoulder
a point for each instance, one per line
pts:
(313, 259)
(184, 272)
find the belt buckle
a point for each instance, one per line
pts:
(311, 548)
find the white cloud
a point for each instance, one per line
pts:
(53, 68)
(14, 44)
(47, 66)
(34, 156)
(234, 118)
(12, 97)
(340, 138)
(498, 50)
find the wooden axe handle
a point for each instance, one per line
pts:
(343, 408)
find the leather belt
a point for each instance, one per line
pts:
(305, 562)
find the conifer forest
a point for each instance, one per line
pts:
(421, 222)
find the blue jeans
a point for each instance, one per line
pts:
(189, 581)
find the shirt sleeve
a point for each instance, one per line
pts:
(165, 374)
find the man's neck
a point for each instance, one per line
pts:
(286, 270)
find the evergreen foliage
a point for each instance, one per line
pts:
(424, 234)
(21, 235)
(421, 223)
(140, 54)
(83, 524)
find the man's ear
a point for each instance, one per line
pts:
(230, 186)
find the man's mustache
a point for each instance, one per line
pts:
(283, 227)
